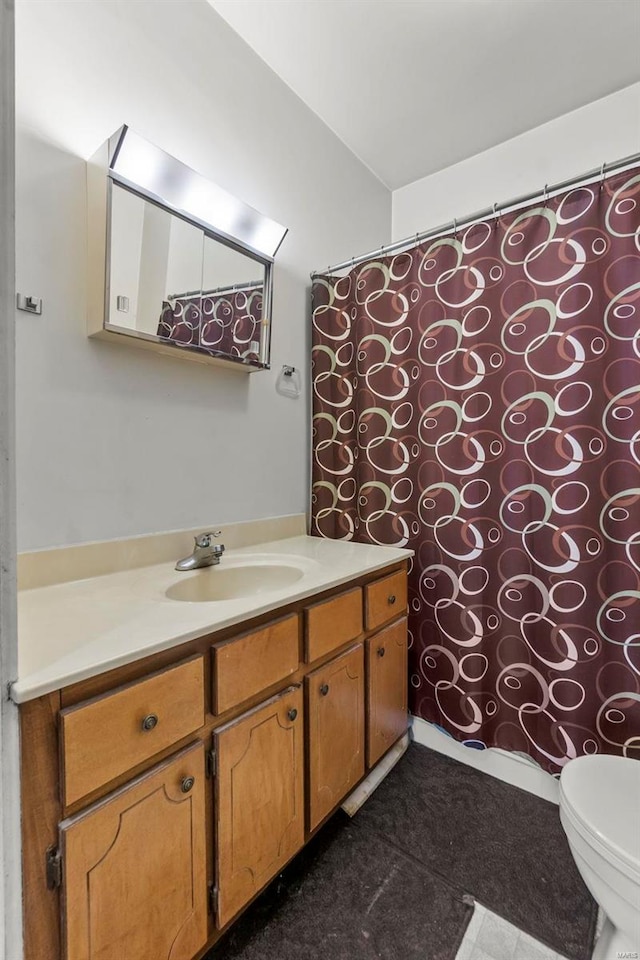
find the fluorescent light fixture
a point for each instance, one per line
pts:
(150, 171)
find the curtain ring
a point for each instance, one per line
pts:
(545, 197)
(455, 228)
(602, 169)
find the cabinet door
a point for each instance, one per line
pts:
(335, 715)
(387, 689)
(259, 798)
(134, 868)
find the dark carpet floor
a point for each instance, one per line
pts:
(397, 881)
(350, 895)
(502, 845)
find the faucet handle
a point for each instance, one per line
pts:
(204, 539)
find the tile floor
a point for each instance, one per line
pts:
(489, 937)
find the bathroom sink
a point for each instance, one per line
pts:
(233, 582)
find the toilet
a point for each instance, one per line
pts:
(600, 814)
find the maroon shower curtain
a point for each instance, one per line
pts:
(477, 398)
(225, 322)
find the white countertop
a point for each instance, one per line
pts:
(71, 631)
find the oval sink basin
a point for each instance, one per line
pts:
(231, 583)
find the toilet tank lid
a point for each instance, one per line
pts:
(604, 793)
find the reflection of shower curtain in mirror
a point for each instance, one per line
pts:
(477, 398)
(225, 321)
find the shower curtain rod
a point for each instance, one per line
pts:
(487, 214)
(230, 288)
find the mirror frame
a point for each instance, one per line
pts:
(179, 184)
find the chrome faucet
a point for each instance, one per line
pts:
(205, 552)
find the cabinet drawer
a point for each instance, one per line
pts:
(243, 666)
(105, 737)
(331, 624)
(385, 599)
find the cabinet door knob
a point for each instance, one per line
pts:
(381, 651)
(292, 714)
(391, 599)
(187, 784)
(324, 689)
(150, 721)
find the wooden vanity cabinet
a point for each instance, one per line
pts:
(387, 682)
(336, 721)
(134, 878)
(259, 799)
(160, 798)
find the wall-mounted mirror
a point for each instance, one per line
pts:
(169, 280)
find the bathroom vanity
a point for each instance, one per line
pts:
(161, 795)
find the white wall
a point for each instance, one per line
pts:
(112, 441)
(606, 129)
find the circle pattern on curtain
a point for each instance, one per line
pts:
(477, 398)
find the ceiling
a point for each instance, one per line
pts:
(412, 86)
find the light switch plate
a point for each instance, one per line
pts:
(29, 304)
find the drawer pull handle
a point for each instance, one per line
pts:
(381, 651)
(150, 722)
(292, 714)
(324, 689)
(392, 599)
(187, 784)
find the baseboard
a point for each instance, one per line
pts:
(508, 767)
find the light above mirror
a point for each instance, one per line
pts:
(138, 163)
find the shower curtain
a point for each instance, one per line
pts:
(226, 321)
(477, 398)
